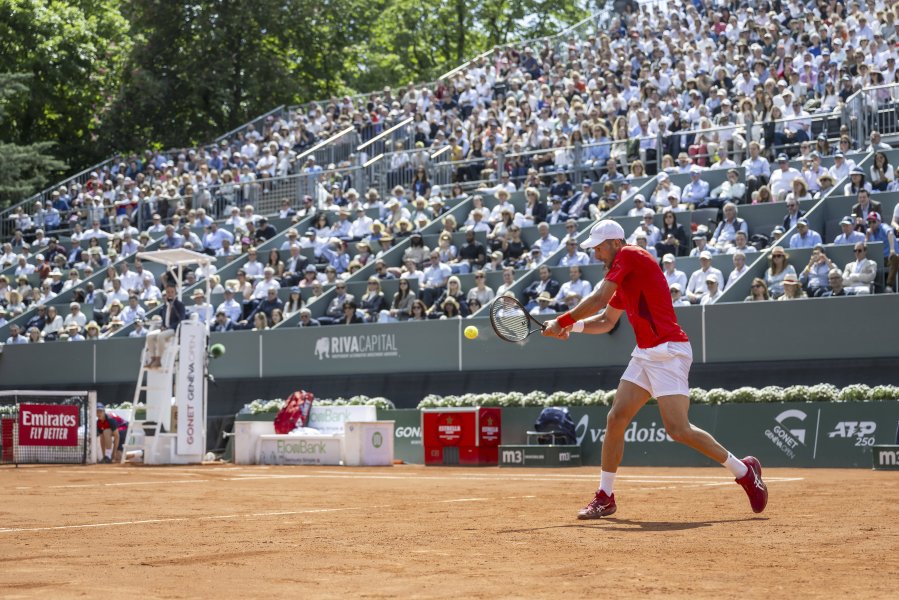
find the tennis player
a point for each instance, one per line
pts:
(659, 364)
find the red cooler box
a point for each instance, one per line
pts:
(461, 436)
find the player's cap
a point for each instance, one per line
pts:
(311, 269)
(873, 216)
(587, 182)
(663, 176)
(782, 158)
(778, 229)
(856, 170)
(695, 169)
(838, 154)
(705, 254)
(802, 221)
(101, 406)
(555, 199)
(674, 286)
(544, 297)
(846, 221)
(602, 231)
(711, 277)
(668, 258)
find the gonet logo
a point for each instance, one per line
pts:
(787, 440)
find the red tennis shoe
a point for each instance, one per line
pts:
(753, 485)
(602, 505)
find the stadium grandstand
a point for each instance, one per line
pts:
(750, 148)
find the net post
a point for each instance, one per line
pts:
(90, 427)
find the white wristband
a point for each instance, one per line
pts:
(577, 327)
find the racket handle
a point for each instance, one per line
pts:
(578, 327)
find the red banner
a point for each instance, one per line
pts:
(490, 420)
(48, 425)
(455, 428)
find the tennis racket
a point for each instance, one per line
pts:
(511, 321)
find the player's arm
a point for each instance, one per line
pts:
(603, 322)
(588, 307)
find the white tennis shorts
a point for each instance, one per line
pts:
(662, 370)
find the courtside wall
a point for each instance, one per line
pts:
(866, 327)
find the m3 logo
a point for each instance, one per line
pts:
(515, 457)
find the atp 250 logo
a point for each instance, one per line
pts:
(861, 431)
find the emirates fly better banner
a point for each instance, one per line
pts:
(48, 425)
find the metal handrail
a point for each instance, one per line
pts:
(279, 110)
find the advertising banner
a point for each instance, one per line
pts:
(299, 450)
(48, 425)
(780, 435)
(190, 386)
(330, 420)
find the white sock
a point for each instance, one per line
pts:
(735, 466)
(606, 482)
(108, 453)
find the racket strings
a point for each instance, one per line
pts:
(510, 319)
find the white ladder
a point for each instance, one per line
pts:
(139, 430)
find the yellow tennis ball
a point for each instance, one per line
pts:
(471, 332)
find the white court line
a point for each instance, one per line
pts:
(279, 513)
(525, 477)
(129, 483)
(465, 500)
(176, 519)
(522, 477)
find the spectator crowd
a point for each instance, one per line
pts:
(575, 126)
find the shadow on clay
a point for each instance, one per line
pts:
(614, 524)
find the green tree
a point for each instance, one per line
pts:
(198, 69)
(72, 51)
(24, 168)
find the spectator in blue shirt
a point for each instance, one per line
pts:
(805, 237)
(878, 233)
(696, 192)
(849, 235)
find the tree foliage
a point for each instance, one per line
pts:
(73, 52)
(24, 168)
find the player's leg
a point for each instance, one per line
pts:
(674, 410)
(748, 472)
(669, 382)
(629, 399)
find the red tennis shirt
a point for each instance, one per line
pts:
(644, 295)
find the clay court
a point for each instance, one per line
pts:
(411, 531)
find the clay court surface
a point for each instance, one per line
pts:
(410, 531)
